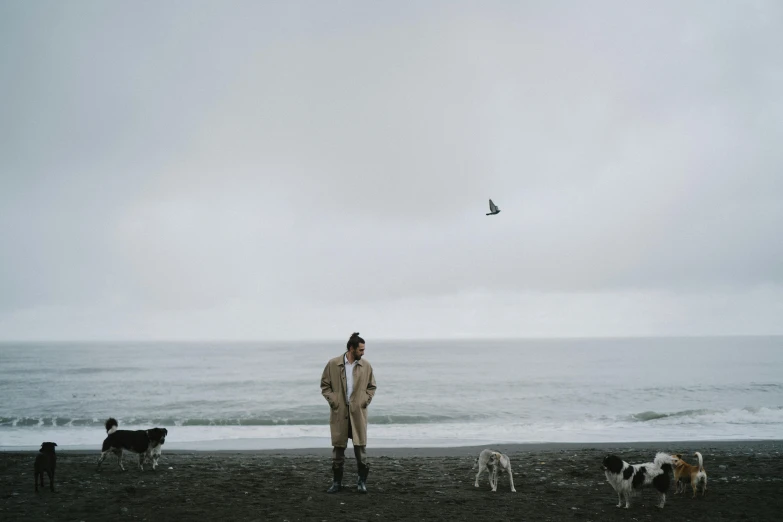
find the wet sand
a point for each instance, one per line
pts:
(553, 482)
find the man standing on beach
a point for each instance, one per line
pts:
(348, 385)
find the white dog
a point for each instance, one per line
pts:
(492, 461)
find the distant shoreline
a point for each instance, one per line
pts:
(456, 451)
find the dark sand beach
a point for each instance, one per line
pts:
(553, 482)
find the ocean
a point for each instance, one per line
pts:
(430, 393)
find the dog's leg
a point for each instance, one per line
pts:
(511, 479)
(619, 499)
(704, 487)
(100, 459)
(482, 469)
(142, 457)
(119, 458)
(627, 499)
(495, 478)
(51, 479)
(694, 485)
(663, 500)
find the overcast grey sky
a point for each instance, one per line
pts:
(264, 170)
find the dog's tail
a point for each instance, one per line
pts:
(701, 462)
(111, 425)
(662, 459)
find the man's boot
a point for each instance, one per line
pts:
(337, 483)
(361, 483)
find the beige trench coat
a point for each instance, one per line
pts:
(333, 388)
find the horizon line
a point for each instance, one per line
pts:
(391, 339)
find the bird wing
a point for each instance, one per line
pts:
(492, 206)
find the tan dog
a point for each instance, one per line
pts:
(696, 474)
(493, 462)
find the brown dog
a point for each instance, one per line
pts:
(696, 474)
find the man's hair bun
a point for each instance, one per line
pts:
(354, 341)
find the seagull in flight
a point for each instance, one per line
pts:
(493, 209)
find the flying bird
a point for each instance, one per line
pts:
(493, 209)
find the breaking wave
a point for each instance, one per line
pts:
(764, 415)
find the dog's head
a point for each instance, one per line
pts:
(613, 464)
(111, 425)
(47, 447)
(494, 458)
(158, 435)
(677, 460)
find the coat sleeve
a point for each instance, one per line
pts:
(326, 388)
(370, 387)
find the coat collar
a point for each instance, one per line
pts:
(342, 361)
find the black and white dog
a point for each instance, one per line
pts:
(147, 443)
(627, 479)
